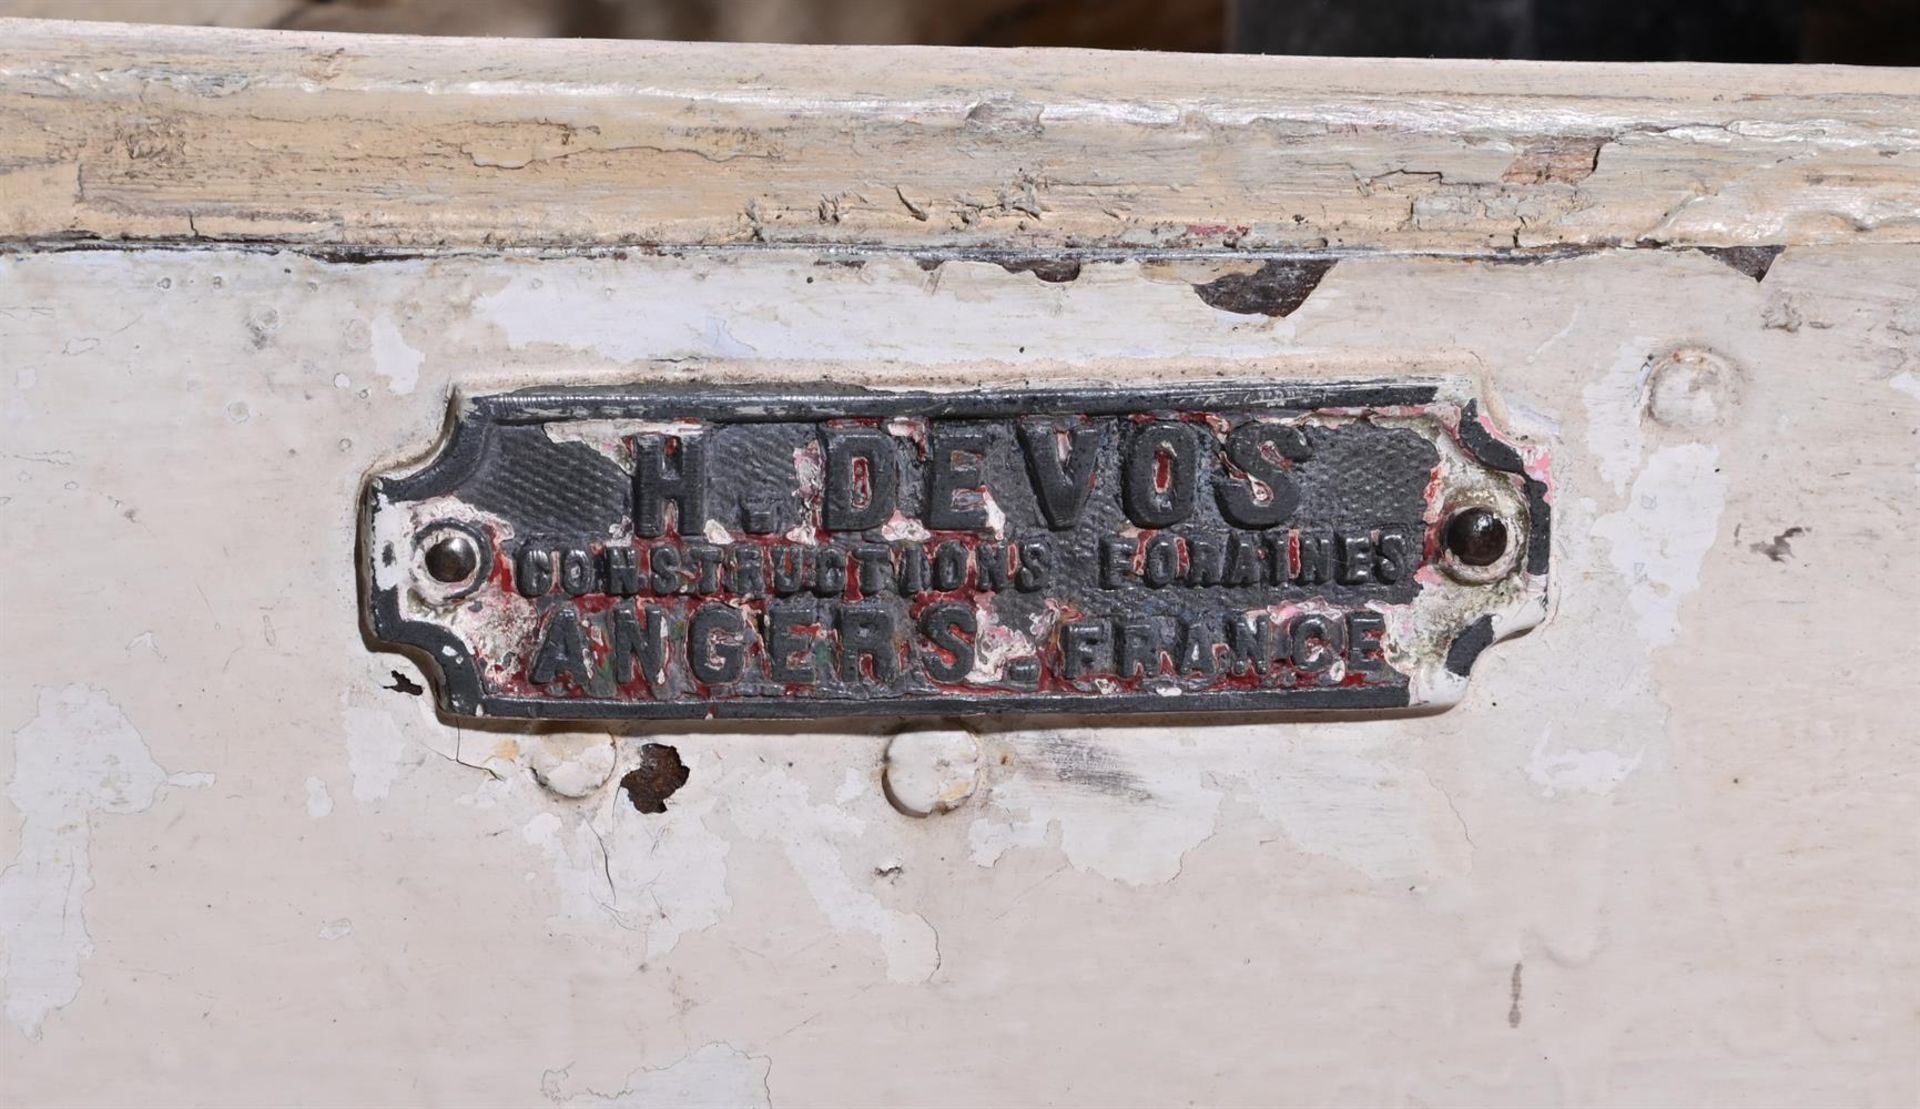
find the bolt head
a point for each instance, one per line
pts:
(452, 559)
(1477, 537)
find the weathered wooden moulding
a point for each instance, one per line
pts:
(1657, 852)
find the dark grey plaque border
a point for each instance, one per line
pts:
(472, 421)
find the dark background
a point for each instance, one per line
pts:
(1874, 32)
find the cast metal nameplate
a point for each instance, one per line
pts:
(774, 552)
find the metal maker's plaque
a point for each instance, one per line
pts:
(777, 552)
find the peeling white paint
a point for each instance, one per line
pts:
(776, 808)
(570, 764)
(564, 308)
(1116, 817)
(394, 358)
(718, 340)
(1660, 538)
(489, 793)
(79, 756)
(389, 537)
(853, 784)
(930, 770)
(900, 527)
(319, 798)
(1615, 401)
(1332, 875)
(377, 751)
(1532, 423)
(1352, 799)
(613, 439)
(577, 864)
(1571, 771)
(1130, 806)
(662, 875)
(336, 929)
(1907, 382)
(996, 644)
(716, 1076)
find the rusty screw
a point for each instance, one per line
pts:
(452, 559)
(1477, 537)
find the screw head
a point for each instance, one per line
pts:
(1477, 537)
(452, 559)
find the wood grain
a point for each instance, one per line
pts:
(112, 132)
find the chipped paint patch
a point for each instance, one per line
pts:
(716, 1076)
(570, 764)
(613, 439)
(1569, 771)
(1115, 818)
(585, 305)
(1338, 796)
(1661, 537)
(78, 757)
(1277, 288)
(1907, 382)
(1615, 401)
(377, 751)
(775, 808)
(1130, 807)
(319, 798)
(394, 358)
(927, 771)
(662, 875)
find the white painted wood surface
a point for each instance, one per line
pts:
(552, 144)
(1663, 853)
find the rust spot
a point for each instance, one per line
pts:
(659, 774)
(1052, 270)
(1754, 261)
(1562, 161)
(1780, 547)
(1275, 289)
